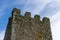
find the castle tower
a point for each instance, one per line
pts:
(27, 28)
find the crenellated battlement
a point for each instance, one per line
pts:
(27, 15)
(16, 11)
(46, 21)
(37, 17)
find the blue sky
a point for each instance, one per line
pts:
(44, 8)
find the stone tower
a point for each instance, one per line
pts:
(27, 28)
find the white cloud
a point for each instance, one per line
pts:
(36, 6)
(56, 30)
(55, 25)
(56, 1)
(33, 6)
(2, 35)
(55, 17)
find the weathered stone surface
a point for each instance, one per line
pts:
(27, 28)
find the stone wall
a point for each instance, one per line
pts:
(28, 28)
(8, 30)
